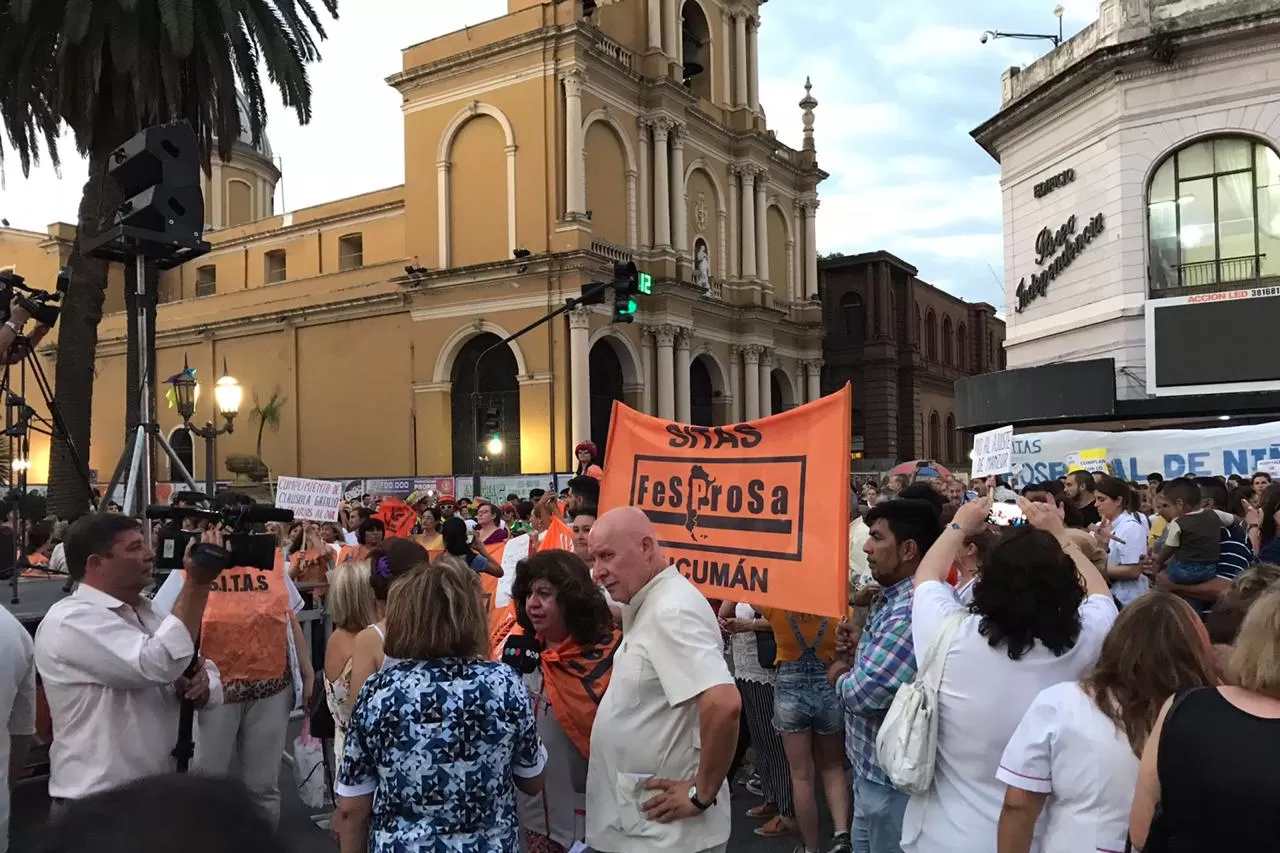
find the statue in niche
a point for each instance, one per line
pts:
(701, 265)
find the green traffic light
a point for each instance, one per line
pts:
(631, 306)
(644, 283)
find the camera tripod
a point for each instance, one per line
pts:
(19, 417)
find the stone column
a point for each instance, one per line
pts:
(813, 375)
(646, 238)
(753, 64)
(574, 152)
(735, 263)
(655, 24)
(751, 382)
(679, 204)
(671, 28)
(766, 383)
(740, 77)
(748, 225)
(811, 249)
(579, 371)
(646, 365)
(661, 185)
(726, 56)
(735, 383)
(682, 376)
(791, 271)
(762, 229)
(665, 336)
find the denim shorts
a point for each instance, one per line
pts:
(803, 701)
(1185, 574)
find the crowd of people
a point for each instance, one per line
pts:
(1091, 645)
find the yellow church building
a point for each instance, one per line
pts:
(540, 148)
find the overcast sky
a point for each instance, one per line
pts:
(900, 83)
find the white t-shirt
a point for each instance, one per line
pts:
(981, 701)
(1067, 748)
(1128, 546)
(647, 724)
(17, 701)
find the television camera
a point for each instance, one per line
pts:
(248, 549)
(43, 305)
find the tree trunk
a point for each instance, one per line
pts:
(77, 349)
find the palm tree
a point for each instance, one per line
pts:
(267, 415)
(108, 68)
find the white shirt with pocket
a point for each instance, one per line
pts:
(981, 702)
(647, 725)
(17, 701)
(1066, 748)
(109, 671)
(1128, 546)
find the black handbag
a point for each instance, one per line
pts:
(321, 718)
(766, 648)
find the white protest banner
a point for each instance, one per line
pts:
(993, 453)
(1271, 467)
(1132, 455)
(311, 500)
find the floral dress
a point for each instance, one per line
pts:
(437, 744)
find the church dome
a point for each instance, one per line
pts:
(263, 148)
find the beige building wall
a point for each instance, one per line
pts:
(572, 140)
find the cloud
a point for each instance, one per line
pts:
(900, 86)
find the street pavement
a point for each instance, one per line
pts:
(302, 835)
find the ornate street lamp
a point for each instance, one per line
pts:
(228, 395)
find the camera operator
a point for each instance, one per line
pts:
(113, 663)
(13, 329)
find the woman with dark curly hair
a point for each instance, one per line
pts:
(562, 616)
(1039, 614)
(1074, 757)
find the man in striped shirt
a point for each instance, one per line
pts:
(901, 531)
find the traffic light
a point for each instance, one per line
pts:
(624, 307)
(626, 284)
(158, 174)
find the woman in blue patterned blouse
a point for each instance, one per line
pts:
(441, 737)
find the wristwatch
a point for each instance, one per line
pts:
(698, 804)
(17, 329)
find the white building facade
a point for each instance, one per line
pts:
(1140, 177)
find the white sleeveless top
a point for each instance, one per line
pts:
(387, 660)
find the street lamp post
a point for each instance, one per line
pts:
(227, 394)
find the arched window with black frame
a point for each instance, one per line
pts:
(935, 436)
(1213, 216)
(953, 451)
(931, 335)
(962, 348)
(946, 340)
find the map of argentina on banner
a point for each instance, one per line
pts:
(755, 512)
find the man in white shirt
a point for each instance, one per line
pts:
(667, 727)
(17, 706)
(113, 664)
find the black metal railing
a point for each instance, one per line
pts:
(1220, 271)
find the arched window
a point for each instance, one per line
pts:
(946, 340)
(962, 348)
(931, 336)
(952, 454)
(1213, 216)
(859, 443)
(935, 436)
(853, 318)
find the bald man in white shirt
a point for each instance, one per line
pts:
(667, 728)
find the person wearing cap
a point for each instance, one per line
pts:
(447, 505)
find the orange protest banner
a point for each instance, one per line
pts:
(754, 512)
(558, 537)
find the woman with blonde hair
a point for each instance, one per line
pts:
(1071, 764)
(352, 607)
(441, 739)
(1208, 778)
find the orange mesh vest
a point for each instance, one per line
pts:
(245, 622)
